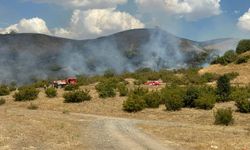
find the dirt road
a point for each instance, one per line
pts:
(121, 134)
(99, 132)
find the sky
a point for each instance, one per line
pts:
(198, 20)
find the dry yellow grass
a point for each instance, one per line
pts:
(242, 69)
(188, 128)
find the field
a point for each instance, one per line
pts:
(102, 124)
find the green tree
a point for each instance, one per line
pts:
(243, 46)
(223, 90)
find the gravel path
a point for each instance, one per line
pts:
(111, 133)
(106, 133)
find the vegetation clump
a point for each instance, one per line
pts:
(229, 57)
(71, 87)
(205, 101)
(106, 88)
(26, 94)
(51, 92)
(223, 89)
(173, 98)
(77, 96)
(224, 116)
(4, 90)
(242, 60)
(123, 90)
(191, 95)
(152, 99)
(243, 46)
(134, 103)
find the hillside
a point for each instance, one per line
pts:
(242, 69)
(29, 56)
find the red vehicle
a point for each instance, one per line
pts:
(153, 83)
(63, 83)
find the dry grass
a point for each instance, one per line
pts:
(194, 128)
(25, 129)
(242, 69)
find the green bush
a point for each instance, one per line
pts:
(106, 88)
(224, 116)
(71, 87)
(243, 46)
(139, 91)
(191, 95)
(4, 90)
(2, 101)
(205, 101)
(123, 90)
(140, 81)
(241, 97)
(229, 57)
(223, 88)
(232, 75)
(134, 103)
(242, 60)
(152, 99)
(76, 96)
(174, 104)
(26, 94)
(173, 97)
(51, 92)
(243, 105)
(210, 77)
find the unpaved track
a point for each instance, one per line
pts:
(120, 134)
(110, 133)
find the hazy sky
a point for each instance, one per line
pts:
(82, 19)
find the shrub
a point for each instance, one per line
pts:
(229, 57)
(152, 99)
(243, 46)
(239, 93)
(173, 97)
(32, 106)
(241, 97)
(232, 75)
(4, 90)
(123, 90)
(140, 80)
(205, 101)
(134, 103)
(26, 94)
(139, 91)
(223, 116)
(2, 101)
(76, 96)
(243, 105)
(51, 92)
(71, 87)
(174, 103)
(223, 88)
(106, 88)
(191, 95)
(242, 60)
(209, 77)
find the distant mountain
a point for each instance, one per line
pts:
(27, 56)
(221, 45)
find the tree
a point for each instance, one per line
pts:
(223, 88)
(243, 46)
